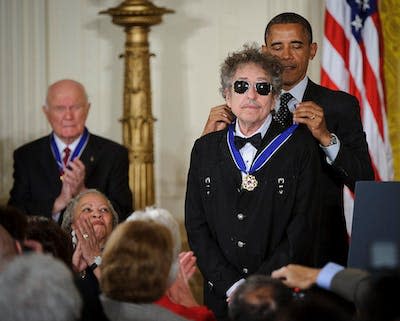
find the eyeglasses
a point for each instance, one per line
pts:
(262, 88)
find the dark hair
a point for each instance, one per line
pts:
(290, 17)
(258, 299)
(54, 240)
(380, 299)
(312, 309)
(251, 54)
(14, 221)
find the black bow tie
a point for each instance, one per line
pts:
(255, 140)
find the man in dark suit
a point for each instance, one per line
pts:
(332, 117)
(250, 199)
(48, 172)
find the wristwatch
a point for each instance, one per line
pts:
(333, 140)
(96, 262)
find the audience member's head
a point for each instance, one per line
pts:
(8, 249)
(14, 221)
(51, 236)
(136, 262)
(97, 207)
(163, 217)
(312, 309)
(380, 300)
(258, 299)
(38, 287)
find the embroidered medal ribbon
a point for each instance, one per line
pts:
(249, 181)
(77, 152)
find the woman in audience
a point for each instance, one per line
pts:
(90, 219)
(135, 270)
(178, 298)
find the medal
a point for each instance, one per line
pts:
(77, 152)
(249, 182)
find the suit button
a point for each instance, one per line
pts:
(240, 216)
(245, 270)
(241, 244)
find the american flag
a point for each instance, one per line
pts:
(353, 62)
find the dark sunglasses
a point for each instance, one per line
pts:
(262, 88)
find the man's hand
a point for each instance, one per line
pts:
(73, 182)
(312, 115)
(74, 176)
(219, 117)
(297, 276)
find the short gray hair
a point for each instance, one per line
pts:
(69, 212)
(165, 218)
(251, 54)
(38, 287)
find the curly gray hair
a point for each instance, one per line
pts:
(69, 212)
(251, 54)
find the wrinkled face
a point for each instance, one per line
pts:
(67, 109)
(289, 42)
(250, 108)
(95, 207)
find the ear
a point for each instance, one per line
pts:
(228, 97)
(313, 50)
(45, 110)
(264, 49)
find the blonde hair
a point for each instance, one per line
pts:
(136, 262)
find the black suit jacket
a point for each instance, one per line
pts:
(342, 116)
(235, 233)
(37, 178)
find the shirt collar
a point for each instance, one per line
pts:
(61, 145)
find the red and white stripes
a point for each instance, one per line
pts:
(353, 62)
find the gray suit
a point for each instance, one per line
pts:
(127, 311)
(350, 283)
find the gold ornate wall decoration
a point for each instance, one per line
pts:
(136, 16)
(390, 19)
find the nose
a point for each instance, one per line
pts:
(68, 113)
(251, 92)
(97, 214)
(286, 52)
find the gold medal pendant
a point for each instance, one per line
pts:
(249, 182)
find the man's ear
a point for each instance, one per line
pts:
(45, 110)
(264, 49)
(228, 97)
(313, 50)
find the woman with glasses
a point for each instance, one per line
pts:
(251, 199)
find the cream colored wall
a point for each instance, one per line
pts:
(45, 40)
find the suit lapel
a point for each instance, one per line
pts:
(227, 165)
(273, 130)
(311, 93)
(48, 165)
(90, 155)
